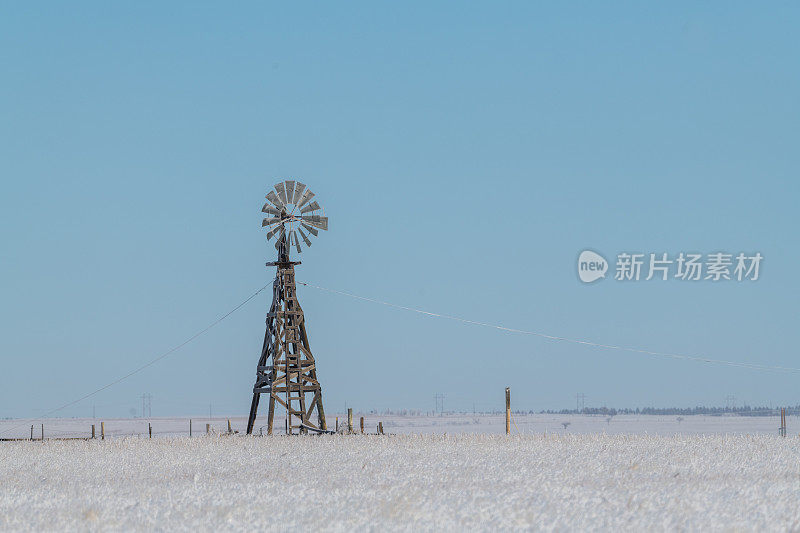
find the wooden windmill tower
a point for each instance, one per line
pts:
(286, 370)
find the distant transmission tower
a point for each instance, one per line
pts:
(730, 402)
(147, 406)
(580, 403)
(439, 399)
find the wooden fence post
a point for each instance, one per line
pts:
(362, 424)
(150, 429)
(508, 411)
(102, 431)
(782, 429)
(190, 427)
(42, 432)
(92, 430)
(337, 424)
(380, 428)
(31, 431)
(208, 429)
(349, 419)
(229, 426)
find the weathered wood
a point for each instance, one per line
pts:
(349, 419)
(286, 370)
(508, 411)
(92, 430)
(150, 429)
(102, 431)
(362, 425)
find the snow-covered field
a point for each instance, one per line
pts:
(403, 482)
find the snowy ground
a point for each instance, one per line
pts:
(450, 424)
(404, 482)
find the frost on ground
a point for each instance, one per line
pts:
(403, 482)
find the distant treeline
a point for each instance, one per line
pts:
(745, 410)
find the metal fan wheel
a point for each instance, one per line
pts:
(293, 215)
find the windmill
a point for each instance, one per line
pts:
(286, 371)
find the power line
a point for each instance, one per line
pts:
(148, 364)
(700, 359)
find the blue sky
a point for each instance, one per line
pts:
(465, 156)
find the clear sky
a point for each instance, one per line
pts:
(465, 155)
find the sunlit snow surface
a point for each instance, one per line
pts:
(558, 481)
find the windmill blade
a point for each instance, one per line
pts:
(308, 195)
(269, 221)
(290, 191)
(298, 191)
(271, 210)
(311, 230)
(316, 221)
(313, 206)
(281, 188)
(273, 198)
(273, 231)
(303, 235)
(296, 242)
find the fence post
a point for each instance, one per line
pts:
(102, 431)
(150, 429)
(782, 430)
(349, 419)
(380, 427)
(508, 411)
(362, 424)
(92, 430)
(190, 428)
(337, 424)
(229, 426)
(31, 431)
(42, 432)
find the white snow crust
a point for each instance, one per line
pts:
(558, 481)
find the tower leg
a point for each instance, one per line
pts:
(253, 410)
(321, 412)
(271, 414)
